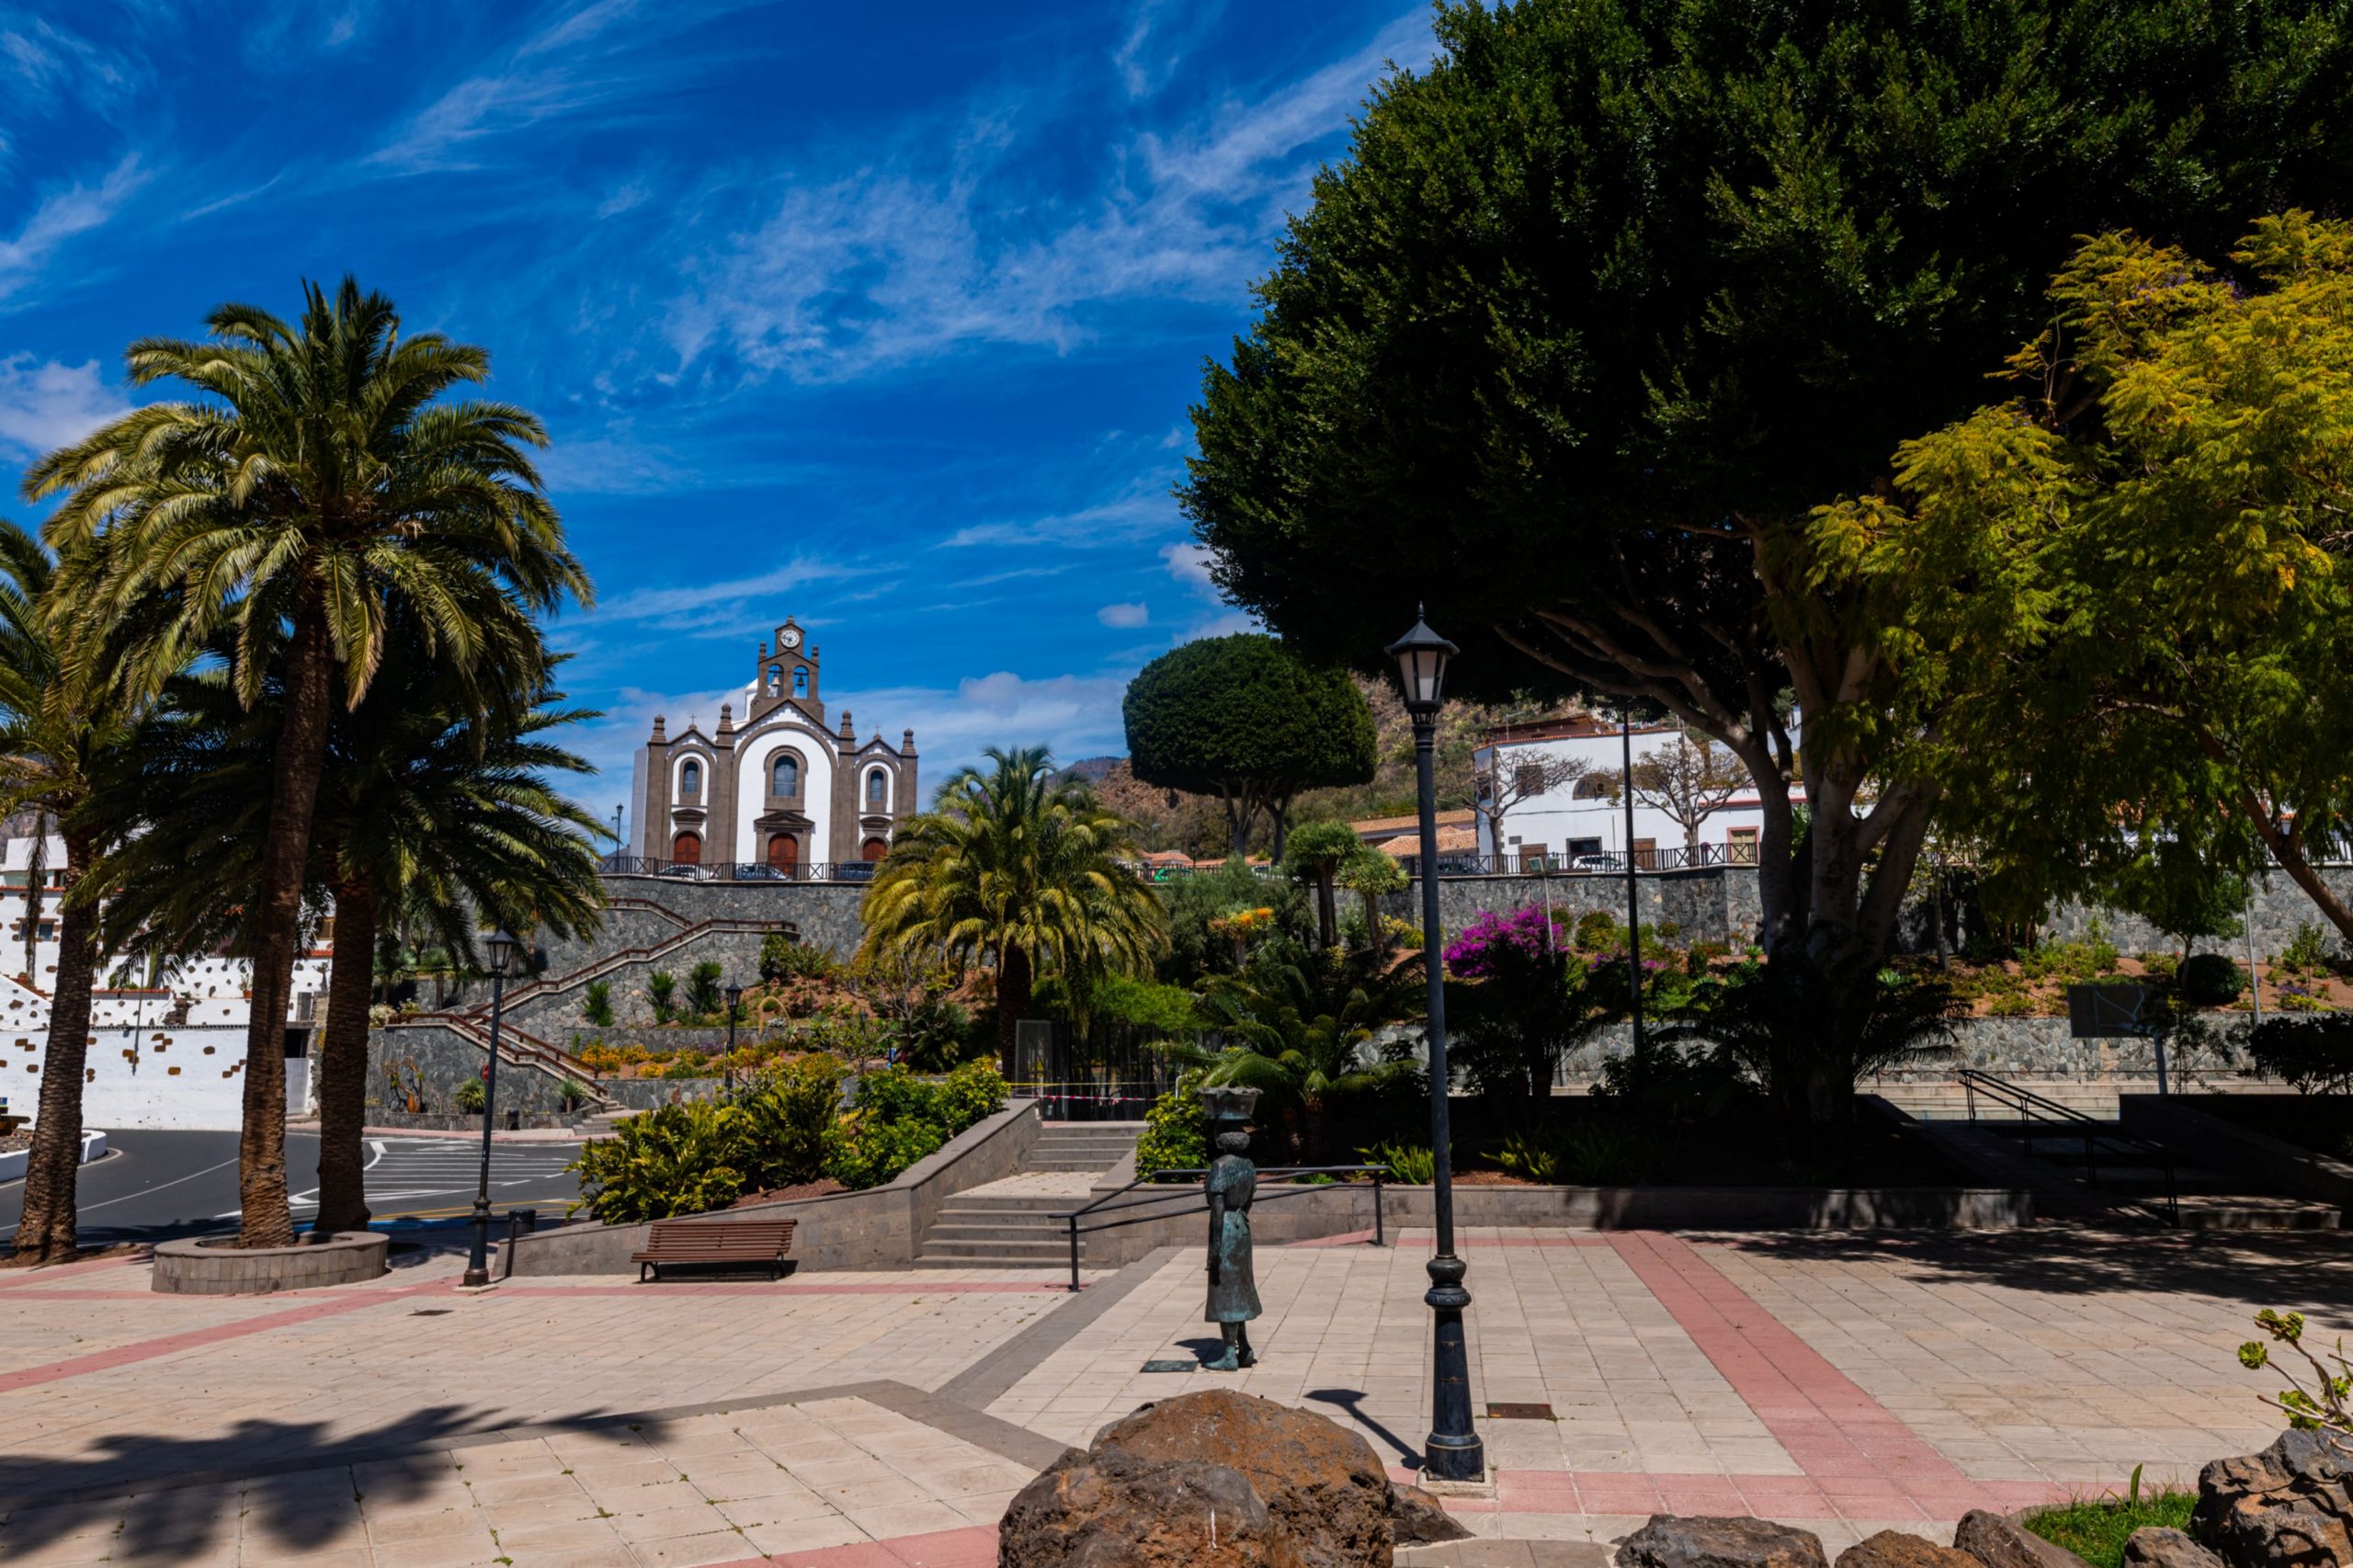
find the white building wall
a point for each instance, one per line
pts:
(756, 755)
(1563, 825)
(187, 1079)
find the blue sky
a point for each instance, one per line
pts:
(885, 316)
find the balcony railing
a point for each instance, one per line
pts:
(738, 871)
(1604, 863)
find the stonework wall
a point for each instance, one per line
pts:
(1722, 904)
(444, 1059)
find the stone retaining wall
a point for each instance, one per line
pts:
(445, 1059)
(880, 1228)
(2212, 1045)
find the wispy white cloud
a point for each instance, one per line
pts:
(695, 605)
(1124, 617)
(584, 66)
(1189, 564)
(937, 245)
(44, 404)
(1138, 514)
(1160, 34)
(61, 216)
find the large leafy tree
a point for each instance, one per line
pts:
(2130, 588)
(1603, 302)
(1245, 719)
(317, 487)
(63, 736)
(1022, 873)
(434, 816)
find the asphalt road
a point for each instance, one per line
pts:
(159, 1185)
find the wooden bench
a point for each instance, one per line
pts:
(737, 1243)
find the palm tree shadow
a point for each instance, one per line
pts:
(1352, 1401)
(290, 1483)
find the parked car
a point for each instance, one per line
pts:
(1612, 862)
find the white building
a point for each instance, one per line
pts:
(1558, 783)
(199, 1004)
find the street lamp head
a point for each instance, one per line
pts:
(733, 994)
(1422, 656)
(503, 949)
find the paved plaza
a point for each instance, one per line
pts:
(1841, 1383)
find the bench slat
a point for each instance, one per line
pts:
(715, 1240)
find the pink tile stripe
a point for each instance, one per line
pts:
(862, 1288)
(172, 1344)
(1842, 1439)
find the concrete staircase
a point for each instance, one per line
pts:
(1010, 1224)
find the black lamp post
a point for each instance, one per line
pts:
(1453, 1451)
(733, 994)
(502, 955)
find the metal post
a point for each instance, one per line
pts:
(1379, 1237)
(2253, 980)
(1074, 1255)
(478, 1261)
(1633, 903)
(730, 1074)
(1453, 1451)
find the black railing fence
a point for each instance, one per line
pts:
(739, 871)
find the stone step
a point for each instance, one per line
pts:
(969, 1206)
(940, 1236)
(970, 1255)
(1057, 1266)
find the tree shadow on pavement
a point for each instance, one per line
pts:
(164, 1498)
(2309, 1271)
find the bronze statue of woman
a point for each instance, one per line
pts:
(1231, 1183)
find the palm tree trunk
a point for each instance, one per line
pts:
(1013, 984)
(52, 1168)
(343, 1061)
(35, 859)
(276, 920)
(1328, 920)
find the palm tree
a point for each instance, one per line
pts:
(430, 817)
(1303, 1021)
(315, 492)
(59, 734)
(1023, 873)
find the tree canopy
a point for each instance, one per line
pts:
(1245, 719)
(1604, 301)
(2125, 592)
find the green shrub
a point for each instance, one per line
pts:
(1668, 1082)
(471, 1097)
(2314, 1055)
(661, 994)
(1176, 1130)
(2011, 1004)
(702, 988)
(790, 1115)
(596, 1003)
(2087, 958)
(573, 1091)
(687, 1065)
(2307, 953)
(679, 1159)
(2096, 1528)
(2210, 979)
(2159, 967)
(1162, 1012)
(1414, 1165)
(1598, 930)
(783, 958)
(898, 1119)
(1587, 1153)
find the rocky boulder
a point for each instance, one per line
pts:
(2156, 1547)
(2288, 1506)
(1322, 1481)
(1167, 1477)
(1999, 1541)
(1671, 1540)
(1894, 1549)
(1115, 1510)
(1416, 1519)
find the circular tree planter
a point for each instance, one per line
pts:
(212, 1266)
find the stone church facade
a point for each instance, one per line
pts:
(787, 788)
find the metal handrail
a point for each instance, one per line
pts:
(1104, 1204)
(738, 870)
(2033, 1107)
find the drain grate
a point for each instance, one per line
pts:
(1171, 1365)
(1496, 1412)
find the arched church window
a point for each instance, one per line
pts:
(691, 781)
(785, 776)
(878, 789)
(801, 680)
